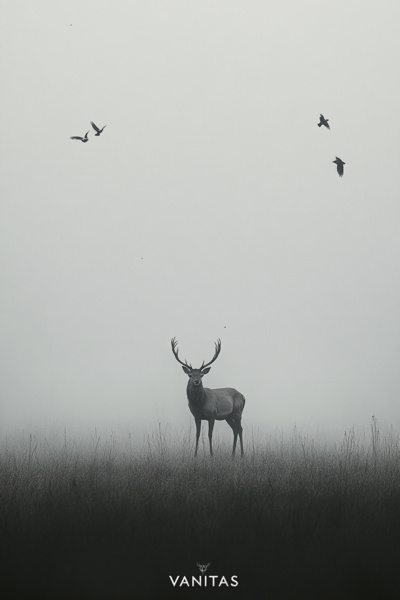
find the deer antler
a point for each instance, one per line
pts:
(203, 568)
(216, 353)
(174, 345)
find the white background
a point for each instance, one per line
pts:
(208, 208)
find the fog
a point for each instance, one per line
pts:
(208, 208)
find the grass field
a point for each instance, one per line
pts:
(110, 520)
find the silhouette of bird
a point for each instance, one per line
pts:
(97, 130)
(339, 164)
(323, 121)
(83, 139)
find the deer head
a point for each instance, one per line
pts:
(195, 375)
(203, 568)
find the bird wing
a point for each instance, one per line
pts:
(94, 126)
(87, 133)
(76, 137)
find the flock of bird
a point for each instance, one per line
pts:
(85, 137)
(322, 121)
(339, 162)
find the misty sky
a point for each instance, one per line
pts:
(208, 208)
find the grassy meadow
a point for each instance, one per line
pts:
(108, 519)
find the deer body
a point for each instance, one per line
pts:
(212, 405)
(219, 403)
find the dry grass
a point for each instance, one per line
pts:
(293, 519)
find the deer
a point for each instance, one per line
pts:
(205, 404)
(203, 568)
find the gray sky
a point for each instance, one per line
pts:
(209, 207)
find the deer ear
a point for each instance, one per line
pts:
(206, 370)
(186, 370)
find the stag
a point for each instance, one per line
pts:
(203, 568)
(205, 404)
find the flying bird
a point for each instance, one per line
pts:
(83, 139)
(97, 130)
(339, 164)
(323, 121)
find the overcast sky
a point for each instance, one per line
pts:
(208, 208)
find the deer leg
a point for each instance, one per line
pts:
(240, 428)
(198, 427)
(232, 423)
(210, 432)
(237, 431)
(235, 434)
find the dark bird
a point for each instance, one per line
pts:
(97, 130)
(339, 164)
(83, 139)
(323, 121)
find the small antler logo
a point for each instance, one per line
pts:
(203, 568)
